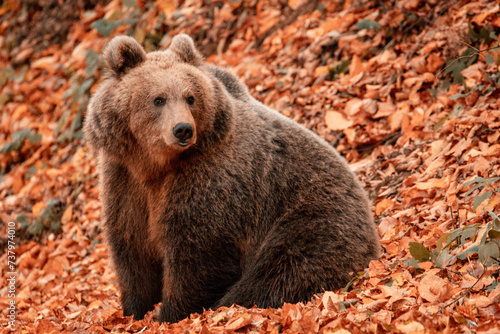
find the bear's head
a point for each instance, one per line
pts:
(156, 107)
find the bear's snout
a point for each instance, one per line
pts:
(183, 132)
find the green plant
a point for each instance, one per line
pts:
(470, 240)
(49, 219)
(480, 183)
(19, 139)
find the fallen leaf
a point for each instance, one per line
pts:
(336, 121)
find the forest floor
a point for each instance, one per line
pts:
(406, 90)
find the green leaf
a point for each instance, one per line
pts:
(492, 286)
(494, 234)
(6, 97)
(442, 259)
(86, 85)
(8, 147)
(390, 282)
(491, 180)
(441, 241)
(493, 36)
(130, 3)
(480, 199)
(20, 135)
(70, 90)
(475, 180)
(77, 122)
(467, 234)
(343, 67)
(23, 220)
(82, 91)
(490, 59)
(104, 28)
(496, 223)
(368, 24)
(6, 74)
(473, 34)
(19, 77)
(456, 96)
(18, 138)
(496, 219)
(411, 263)
(115, 15)
(469, 251)
(485, 235)
(490, 250)
(419, 251)
(454, 235)
(34, 137)
(456, 66)
(474, 187)
(457, 109)
(440, 123)
(91, 62)
(493, 215)
(35, 228)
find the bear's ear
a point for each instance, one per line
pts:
(122, 54)
(183, 46)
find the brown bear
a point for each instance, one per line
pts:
(211, 198)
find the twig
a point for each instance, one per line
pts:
(452, 218)
(470, 46)
(466, 292)
(455, 272)
(350, 302)
(469, 56)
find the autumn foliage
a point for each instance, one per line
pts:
(406, 90)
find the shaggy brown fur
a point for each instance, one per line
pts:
(251, 209)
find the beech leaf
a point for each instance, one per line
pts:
(489, 250)
(480, 199)
(368, 24)
(419, 251)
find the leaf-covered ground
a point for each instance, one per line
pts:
(406, 90)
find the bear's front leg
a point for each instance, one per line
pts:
(185, 291)
(139, 277)
(194, 279)
(137, 264)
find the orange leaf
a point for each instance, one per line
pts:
(376, 268)
(167, 7)
(353, 106)
(382, 205)
(37, 208)
(67, 215)
(321, 70)
(433, 288)
(336, 121)
(356, 66)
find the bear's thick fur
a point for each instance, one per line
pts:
(241, 205)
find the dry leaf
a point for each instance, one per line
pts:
(336, 121)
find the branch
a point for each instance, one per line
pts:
(452, 218)
(466, 292)
(469, 56)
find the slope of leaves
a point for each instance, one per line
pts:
(398, 87)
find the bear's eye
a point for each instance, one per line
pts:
(190, 100)
(159, 101)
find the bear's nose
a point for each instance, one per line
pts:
(183, 131)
